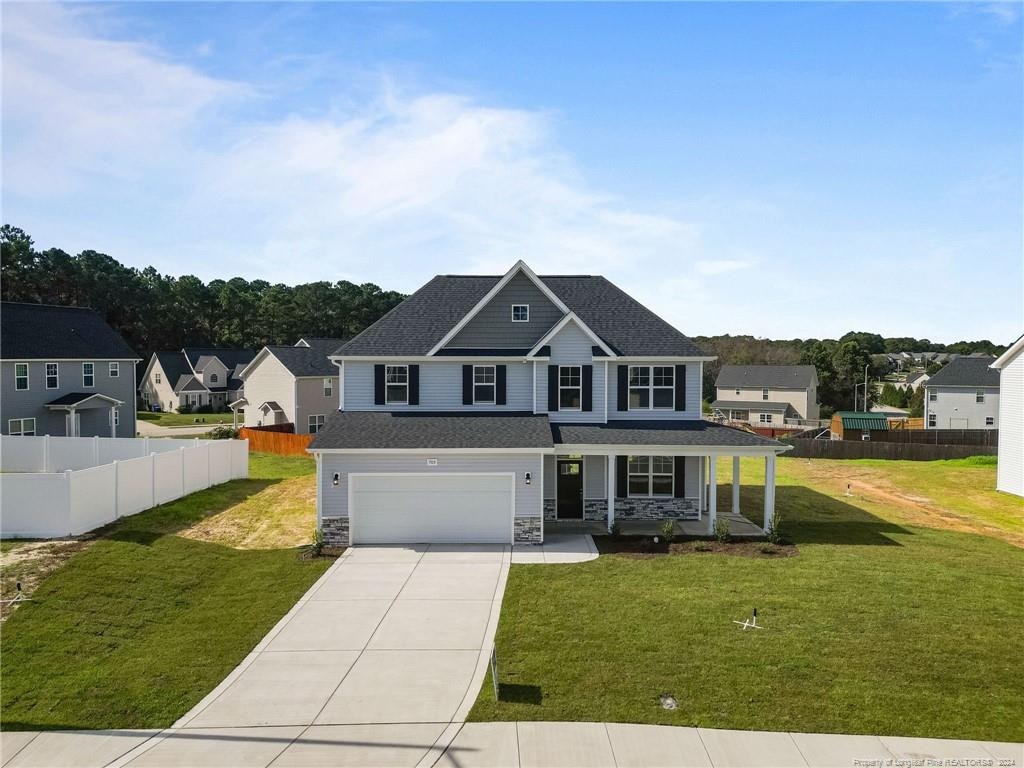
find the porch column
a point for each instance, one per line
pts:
(769, 491)
(113, 421)
(610, 476)
(712, 493)
(735, 485)
(72, 432)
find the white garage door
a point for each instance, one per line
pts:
(409, 508)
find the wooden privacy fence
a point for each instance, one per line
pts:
(987, 437)
(271, 441)
(852, 449)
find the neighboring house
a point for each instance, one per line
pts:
(963, 395)
(1010, 469)
(484, 407)
(291, 385)
(917, 380)
(767, 394)
(64, 372)
(194, 376)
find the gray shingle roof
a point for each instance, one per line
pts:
(311, 360)
(966, 372)
(422, 320)
(368, 429)
(75, 398)
(751, 405)
(174, 365)
(37, 331)
(779, 376)
(682, 433)
(188, 383)
(227, 355)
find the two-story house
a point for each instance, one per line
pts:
(194, 376)
(64, 372)
(483, 407)
(291, 385)
(1010, 469)
(766, 394)
(964, 394)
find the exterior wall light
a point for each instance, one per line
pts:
(336, 479)
(529, 477)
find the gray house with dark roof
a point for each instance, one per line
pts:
(964, 394)
(64, 371)
(295, 385)
(767, 395)
(193, 377)
(488, 408)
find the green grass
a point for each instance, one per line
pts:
(135, 630)
(875, 627)
(165, 419)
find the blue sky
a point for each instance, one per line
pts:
(784, 170)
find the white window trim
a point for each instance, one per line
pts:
(933, 397)
(116, 414)
(156, 377)
(388, 384)
(990, 421)
(114, 370)
(329, 386)
(28, 384)
(932, 420)
(651, 474)
(764, 393)
(562, 387)
(21, 432)
(493, 384)
(522, 319)
(651, 387)
(91, 374)
(46, 375)
(765, 418)
(979, 396)
(313, 426)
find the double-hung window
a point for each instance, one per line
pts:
(765, 418)
(396, 381)
(651, 386)
(52, 376)
(157, 378)
(483, 384)
(990, 421)
(933, 396)
(650, 475)
(22, 427)
(114, 370)
(764, 393)
(21, 376)
(316, 423)
(328, 387)
(979, 396)
(520, 313)
(88, 375)
(932, 420)
(570, 387)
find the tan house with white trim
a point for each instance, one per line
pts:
(767, 395)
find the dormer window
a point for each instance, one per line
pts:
(520, 313)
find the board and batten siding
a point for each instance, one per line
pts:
(693, 396)
(492, 326)
(440, 387)
(1010, 469)
(334, 498)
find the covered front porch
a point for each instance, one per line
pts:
(101, 413)
(739, 527)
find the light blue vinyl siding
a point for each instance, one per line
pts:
(440, 387)
(528, 497)
(571, 346)
(693, 399)
(595, 477)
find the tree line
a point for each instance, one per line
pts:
(160, 312)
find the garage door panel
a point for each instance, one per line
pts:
(467, 508)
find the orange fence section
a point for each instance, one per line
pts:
(275, 442)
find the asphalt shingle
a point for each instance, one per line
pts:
(771, 376)
(46, 331)
(369, 429)
(966, 372)
(677, 432)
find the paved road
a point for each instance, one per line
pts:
(149, 429)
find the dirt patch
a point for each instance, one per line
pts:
(280, 516)
(645, 547)
(30, 562)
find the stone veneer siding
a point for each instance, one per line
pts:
(595, 510)
(639, 508)
(529, 530)
(335, 531)
(549, 510)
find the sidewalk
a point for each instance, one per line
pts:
(475, 745)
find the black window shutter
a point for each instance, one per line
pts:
(588, 387)
(378, 384)
(414, 385)
(621, 477)
(680, 387)
(680, 472)
(500, 396)
(552, 387)
(623, 388)
(467, 385)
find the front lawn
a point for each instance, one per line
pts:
(876, 626)
(134, 630)
(166, 419)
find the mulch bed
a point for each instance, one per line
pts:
(645, 547)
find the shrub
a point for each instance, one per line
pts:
(767, 548)
(316, 548)
(722, 529)
(616, 529)
(702, 546)
(223, 432)
(774, 532)
(184, 409)
(204, 408)
(668, 530)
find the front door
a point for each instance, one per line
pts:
(570, 489)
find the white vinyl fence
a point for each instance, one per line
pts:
(61, 486)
